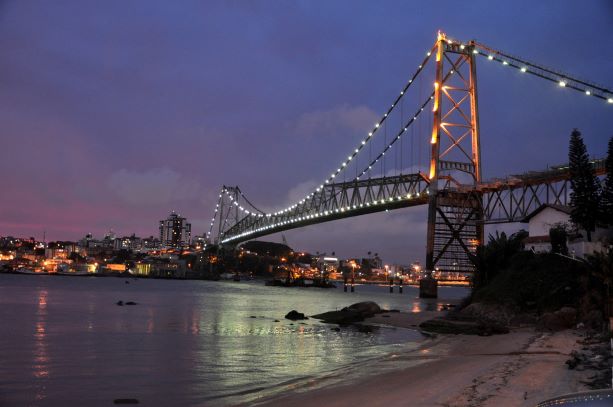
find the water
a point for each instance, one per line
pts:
(63, 341)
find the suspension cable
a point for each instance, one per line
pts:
(561, 78)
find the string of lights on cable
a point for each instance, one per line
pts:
(364, 141)
(307, 207)
(562, 79)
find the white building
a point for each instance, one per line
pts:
(175, 231)
(548, 216)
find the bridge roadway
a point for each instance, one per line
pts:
(503, 200)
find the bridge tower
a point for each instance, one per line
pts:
(455, 216)
(228, 209)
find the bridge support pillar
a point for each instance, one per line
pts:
(455, 229)
(428, 287)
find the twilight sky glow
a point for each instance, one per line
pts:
(114, 113)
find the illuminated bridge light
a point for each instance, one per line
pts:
(562, 83)
(610, 100)
(490, 57)
(523, 69)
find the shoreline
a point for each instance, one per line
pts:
(441, 283)
(521, 368)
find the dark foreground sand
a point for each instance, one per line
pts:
(521, 368)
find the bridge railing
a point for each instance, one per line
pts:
(336, 201)
(514, 198)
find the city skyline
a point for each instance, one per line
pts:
(210, 105)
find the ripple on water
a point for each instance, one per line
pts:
(185, 343)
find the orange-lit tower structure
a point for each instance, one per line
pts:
(455, 217)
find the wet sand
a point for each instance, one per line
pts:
(521, 368)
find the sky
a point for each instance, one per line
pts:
(115, 113)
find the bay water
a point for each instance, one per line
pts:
(64, 341)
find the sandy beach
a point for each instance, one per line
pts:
(521, 368)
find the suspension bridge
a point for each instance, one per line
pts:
(392, 168)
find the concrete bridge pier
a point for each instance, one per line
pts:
(428, 287)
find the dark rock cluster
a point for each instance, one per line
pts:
(475, 319)
(595, 355)
(463, 325)
(294, 315)
(564, 318)
(350, 315)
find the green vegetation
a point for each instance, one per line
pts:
(527, 282)
(584, 197)
(601, 265)
(557, 237)
(495, 256)
(535, 282)
(606, 197)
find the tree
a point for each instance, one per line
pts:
(606, 197)
(602, 269)
(557, 237)
(495, 256)
(584, 184)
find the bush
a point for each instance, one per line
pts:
(536, 282)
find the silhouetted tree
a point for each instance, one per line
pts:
(494, 257)
(606, 197)
(584, 184)
(602, 269)
(557, 237)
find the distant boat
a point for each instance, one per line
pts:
(23, 270)
(72, 273)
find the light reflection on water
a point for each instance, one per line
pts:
(185, 343)
(40, 365)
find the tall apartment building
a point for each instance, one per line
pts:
(175, 231)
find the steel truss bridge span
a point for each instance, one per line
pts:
(332, 202)
(502, 201)
(385, 170)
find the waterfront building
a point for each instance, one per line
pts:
(115, 267)
(167, 268)
(7, 255)
(199, 242)
(175, 231)
(142, 268)
(128, 243)
(547, 216)
(151, 243)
